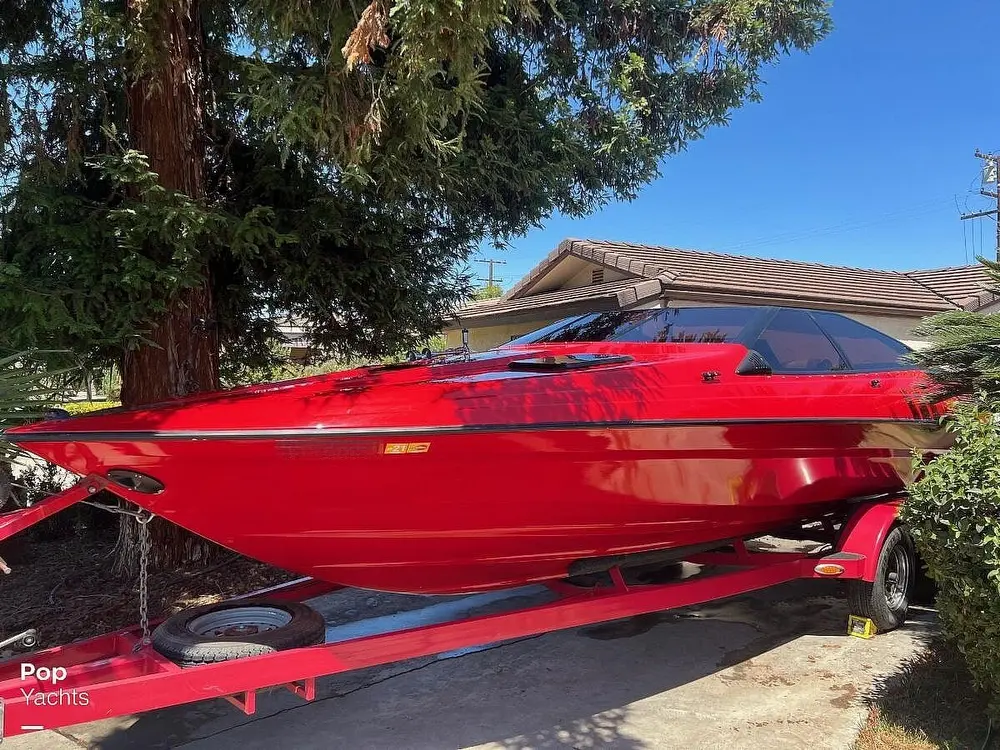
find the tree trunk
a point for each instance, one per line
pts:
(165, 111)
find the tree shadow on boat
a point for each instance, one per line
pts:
(581, 688)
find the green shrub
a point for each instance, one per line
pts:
(954, 513)
(44, 479)
(82, 407)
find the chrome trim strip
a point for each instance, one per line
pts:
(324, 432)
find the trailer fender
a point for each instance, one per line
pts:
(865, 531)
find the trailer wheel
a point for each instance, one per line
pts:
(885, 601)
(232, 630)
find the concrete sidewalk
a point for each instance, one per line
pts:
(772, 669)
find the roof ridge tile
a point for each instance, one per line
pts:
(714, 254)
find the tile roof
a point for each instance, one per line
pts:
(719, 277)
(966, 286)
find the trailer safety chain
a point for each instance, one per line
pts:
(144, 546)
(142, 518)
(138, 515)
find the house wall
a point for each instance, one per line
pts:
(571, 273)
(898, 326)
(486, 337)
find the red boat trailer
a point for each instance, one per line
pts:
(119, 673)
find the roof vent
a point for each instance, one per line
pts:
(753, 364)
(597, 276)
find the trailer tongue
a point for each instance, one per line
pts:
(122, 673)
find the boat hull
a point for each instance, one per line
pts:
(466, 510)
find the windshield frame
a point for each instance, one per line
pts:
(758, 321)
(757, 317)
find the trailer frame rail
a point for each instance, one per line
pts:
(117, 674)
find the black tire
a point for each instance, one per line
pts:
(887, 600)
(924, 588)
(189, 639)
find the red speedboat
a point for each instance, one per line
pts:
(603, 438)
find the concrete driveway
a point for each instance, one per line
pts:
(772, 669)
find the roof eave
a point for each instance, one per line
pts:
(980, 301)
(642, 291)
(528, 314)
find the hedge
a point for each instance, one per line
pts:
(82, 407)
(953, 511)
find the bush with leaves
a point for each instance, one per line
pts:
(77, 408)
(27, 390)
(954, 513)
(964, 352)
(31, 383)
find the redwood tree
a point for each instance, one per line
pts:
(165, 120)
(175, 173)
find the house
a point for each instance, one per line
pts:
(587, 275)
(293, 338)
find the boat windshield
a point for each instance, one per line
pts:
(704, 325)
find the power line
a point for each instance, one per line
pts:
(991, 175)
(492, 280)
(965, 235)
(848, 226)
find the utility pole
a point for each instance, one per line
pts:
(492, 280)
(991, 174)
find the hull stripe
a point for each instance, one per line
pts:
(124, 436)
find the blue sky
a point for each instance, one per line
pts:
(855, 156)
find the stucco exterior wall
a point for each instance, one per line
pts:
(487, 337)
(897, 326)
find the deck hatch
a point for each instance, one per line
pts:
(568, 362)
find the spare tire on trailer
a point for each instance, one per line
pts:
(236, 629)
(886, 600)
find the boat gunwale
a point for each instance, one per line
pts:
(31, 436)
